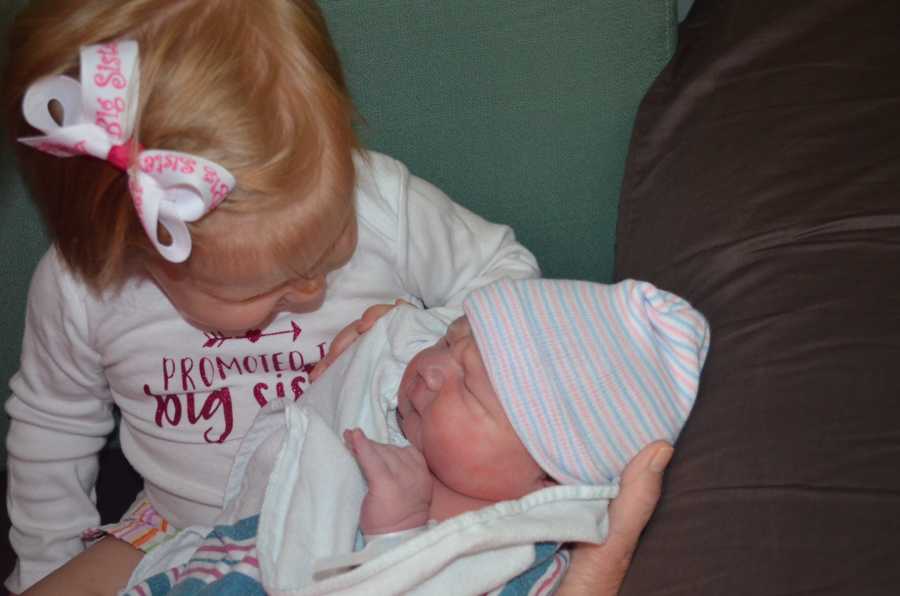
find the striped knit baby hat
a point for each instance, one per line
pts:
(589, 373)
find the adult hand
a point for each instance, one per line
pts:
(599, 569)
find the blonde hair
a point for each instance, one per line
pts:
(255, 86)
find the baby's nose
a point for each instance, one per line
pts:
(434, 378)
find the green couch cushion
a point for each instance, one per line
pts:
(22, 242)
(519, 109)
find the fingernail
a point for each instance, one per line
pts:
(661, 459)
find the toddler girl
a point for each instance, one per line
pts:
(214, 225)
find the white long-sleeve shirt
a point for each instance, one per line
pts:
(188, 396)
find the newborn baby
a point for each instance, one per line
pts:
(541, 382)
(464, 453)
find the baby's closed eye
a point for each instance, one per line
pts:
(399, 415)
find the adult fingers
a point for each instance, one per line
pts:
(599, 569)
(639, 494)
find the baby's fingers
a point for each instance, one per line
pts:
(409, 460)
(367, 455)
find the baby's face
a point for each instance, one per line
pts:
(448, 409)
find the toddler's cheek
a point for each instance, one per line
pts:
(231, 320)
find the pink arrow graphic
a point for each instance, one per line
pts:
(215, 339)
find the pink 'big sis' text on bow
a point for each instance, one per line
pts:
(169, 188)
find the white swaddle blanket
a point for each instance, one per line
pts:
(295, 472)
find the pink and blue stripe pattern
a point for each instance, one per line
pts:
(589, 373)
(226, 564)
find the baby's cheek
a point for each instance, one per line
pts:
(461, 457)
(463, 439)
(497, 466)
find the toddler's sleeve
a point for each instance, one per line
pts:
(60, 414)
(446, 251)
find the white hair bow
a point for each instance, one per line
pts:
(169, 188)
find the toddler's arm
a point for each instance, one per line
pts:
(451, 251)
(59, 420)
(102, 570)
(443, 250)
(400, 485)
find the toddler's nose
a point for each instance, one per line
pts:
(302, 293)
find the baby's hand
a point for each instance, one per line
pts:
(349, 334)
(400, 485)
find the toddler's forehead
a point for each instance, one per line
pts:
(237, 275)
(260, 240)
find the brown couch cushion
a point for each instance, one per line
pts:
(763, 184)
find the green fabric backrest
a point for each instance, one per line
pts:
(22, 242)
(519, 109)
